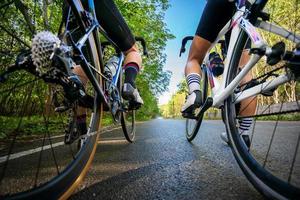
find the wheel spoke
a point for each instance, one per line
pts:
(294, 160)
(252, 134)
(39, 162)
(28, 111)
(271, 141)
(16, 86)
(15, 36)
(8, 156)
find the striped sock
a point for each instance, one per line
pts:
(131, 71)
(193, 81)
(245, 124)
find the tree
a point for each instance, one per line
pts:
(21, 19)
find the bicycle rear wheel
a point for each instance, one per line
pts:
(35, 163)
(192, 125)
(271, 163)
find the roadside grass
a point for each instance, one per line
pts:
(29, 125)
(35, 126)
(286, 117)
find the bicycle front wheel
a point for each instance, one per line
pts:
(128, 125)
(127, 117)
(192, 125)
(35, 162)
(269, 159)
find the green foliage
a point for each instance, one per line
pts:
(145, 17)
(182, 87)
(150, 108)
(284, 13)
(173, 107)
(31, 125)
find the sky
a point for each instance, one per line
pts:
(182, 19)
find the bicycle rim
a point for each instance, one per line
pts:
(264, 177)
(52, 170)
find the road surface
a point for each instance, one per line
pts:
(161, 164)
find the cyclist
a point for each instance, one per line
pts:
(117, 29)
(215, 15)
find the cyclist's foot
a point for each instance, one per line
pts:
(245, 137)
(132, 95)
(192, 102)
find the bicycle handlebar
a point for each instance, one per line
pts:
(187, 38)
(143, 42)
(184, 41)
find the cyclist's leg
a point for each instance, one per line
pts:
(247, 107)
(114, 24)
(215, 15)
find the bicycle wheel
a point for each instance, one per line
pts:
(35, 163)
(271, 162)
(192, 125)
(127, 117)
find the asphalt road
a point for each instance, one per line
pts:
(161, 164)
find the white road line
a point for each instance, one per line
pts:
(28, 152)
(38, 149)
(112, 141)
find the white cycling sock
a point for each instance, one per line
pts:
(193, 81)
(245, 124)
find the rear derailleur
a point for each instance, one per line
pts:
(50, 60)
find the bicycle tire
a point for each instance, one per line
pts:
(264, 181)
(63, 185)
(191, 134)
(128, 127)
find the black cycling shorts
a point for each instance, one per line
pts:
(110, 18)
(214, 17)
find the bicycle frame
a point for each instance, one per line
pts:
(94, 29)
(237, 24)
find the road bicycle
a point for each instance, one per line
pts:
(275, 67)
(41, 96)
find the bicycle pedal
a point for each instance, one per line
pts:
(134, 106)
(189, 116)
(71, 137)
